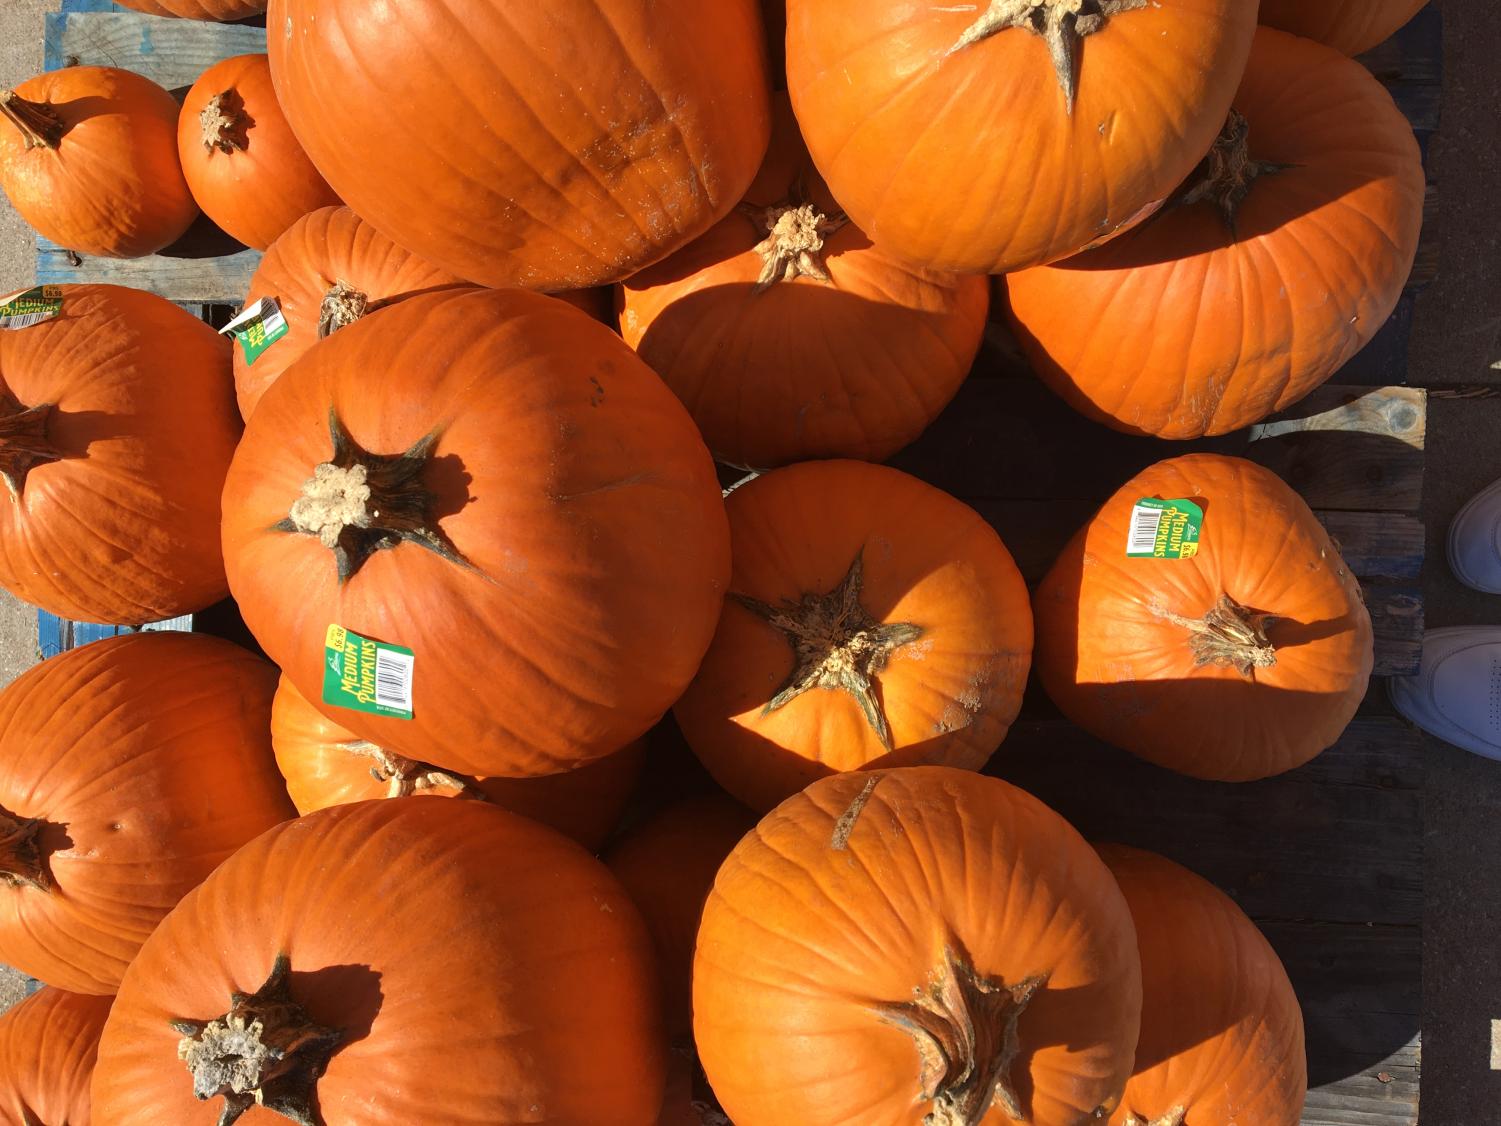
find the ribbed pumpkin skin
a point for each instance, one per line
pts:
(1121, 670)
(47, 1048)
(1351, 26)
(856, 366)
(1315, 265)
(584, 139)
(949, 696)
(257, 192)
(484, 968)
(802, 941)
(149, 757)
(907, 130)
(1221, 1030)
(565, 474)
(199, 9)
(125, 527)
(113, 187)
(314, 756)
(321, 249)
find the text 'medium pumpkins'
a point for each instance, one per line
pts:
(550, 146)
(129, 768)
(1278, 260)
(873, 620)
(916, 945)
(1204, 620)
(392, 963)
(991, 136)
(47, 1047)
(492, 480)
(117, 424)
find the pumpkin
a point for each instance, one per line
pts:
(584, 139)
(129, 769)
(416, 961)
(242, 163)
(790, 337)
(325, 764)
(598, 301)
(1295, 236)
(88, 156)
(988, 137)
(326, 271)
(1221, 1032)
(490, 479)
(47, 1048)
(1351, 26)
(915, 945)
(872, 621)
(1243, 658)
(116, 429)
(223, 10)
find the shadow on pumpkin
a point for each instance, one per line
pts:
(346, 997)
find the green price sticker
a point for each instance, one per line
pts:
(257, 328)
(365, 675)
(1164, 529)
(32, 306)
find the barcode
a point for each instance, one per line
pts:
(1144, 525)
(393, 679)
(26, 320)
(273, 320)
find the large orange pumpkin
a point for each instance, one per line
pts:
(199, 9)
(873, 621)
(326, 764)
(117, 424)
(1284, 254)
(242, 163)
(88, 156)
(47, 1047)
(508, 492)
(129, 769)
(550, 146)
(991, 136)
(1351, 26)
(915, 945)
(790, 337)
(1238, 662)
(416, 961)
(1221, 1032)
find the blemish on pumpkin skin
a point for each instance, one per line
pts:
(846, 823)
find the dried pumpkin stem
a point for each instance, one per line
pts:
(793, 247)
(342, 306)
(22, 860)
(1175, 1117)
(24, 443)
(1224, 177)
(404, 776)
(39, 123)
(225, 124)
(1230, 636)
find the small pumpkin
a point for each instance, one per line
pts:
(984, 138)
(416, 961)
(872, 621)
(495, 465)
(1243, 659)
(47, 1047)
(1279, 259)
(606, 135)
(1351, 26)
(129, 768)
(1221, 1032)
(915, 945)
(325, 764)
(790, 337)
(117, 424)
(222, 10)
(88, 156)
(242, 163)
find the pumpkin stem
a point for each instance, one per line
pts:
(1225, 176)
(226, 125)
(23, 862)
(408, 776)
(24, 444)
(1061, 24)
(38, 122)
(836, 645)
(965, 1030)
(266, 1050)
(1174, 1117)
(1230, 636)
(342, 306)
(794, 243)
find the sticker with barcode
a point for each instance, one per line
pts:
(1164, 529)
(31, 306)
(257, 327)
(366, 675)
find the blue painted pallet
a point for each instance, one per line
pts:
(57, 635)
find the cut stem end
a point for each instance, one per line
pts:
(38, 123)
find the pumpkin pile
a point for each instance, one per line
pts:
(530, 270)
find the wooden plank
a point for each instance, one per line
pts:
(1397, 621)
(1378, 545)
(170, 52)
(208, 280)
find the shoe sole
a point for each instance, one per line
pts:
(1454, 567)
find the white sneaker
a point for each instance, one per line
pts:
(1475, 541)
(1457, 695)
